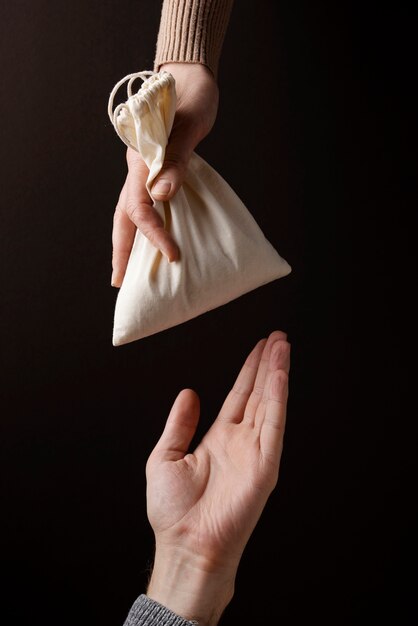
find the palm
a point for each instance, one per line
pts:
(206, 494)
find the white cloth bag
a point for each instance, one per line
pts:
(223, 252)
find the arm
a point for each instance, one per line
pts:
(203, 505)
(201, 41)
(189, 45)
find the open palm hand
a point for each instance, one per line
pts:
(209, 500)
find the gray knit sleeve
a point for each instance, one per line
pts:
(147, 612)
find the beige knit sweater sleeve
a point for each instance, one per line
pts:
(192, 31)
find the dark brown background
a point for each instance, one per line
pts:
(312, 132)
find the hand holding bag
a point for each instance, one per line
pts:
(223, 252)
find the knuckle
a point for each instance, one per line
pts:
(132, 156)
(120, 256)
(118, 215)
(136, 212)
(148, 231)
(175, 160)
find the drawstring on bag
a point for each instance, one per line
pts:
(113, 115)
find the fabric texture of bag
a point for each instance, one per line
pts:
(223, 252)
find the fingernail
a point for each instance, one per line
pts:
(173, 255)
(114, 280)
(162, 187)
(167, 256)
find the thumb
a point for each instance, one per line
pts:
(173, 172)
(180, 427)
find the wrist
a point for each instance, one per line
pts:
(189, 67)
(190, 586)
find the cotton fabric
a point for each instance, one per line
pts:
(223, 252)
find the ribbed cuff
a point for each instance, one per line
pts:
(192, 31)
(147, 612)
